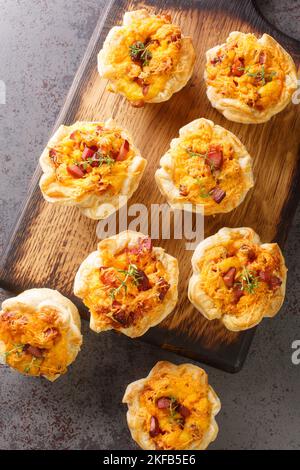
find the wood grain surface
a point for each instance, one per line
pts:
(49, 242)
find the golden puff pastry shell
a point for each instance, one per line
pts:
(114, 41)
(137, 418)
(114, 245)
(43, 299)
(253, 312)
(235, 193)
(237, 110)
(95, 206)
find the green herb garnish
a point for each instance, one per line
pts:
(174, 414)
(260, 74)
(173, 407)
(201, 155)
(139, 53)
(18, 348)
(104, 159)
(100, 160)
(133, 273)
(28, 367)
(202, 193)
(197, 154)
(249, 281)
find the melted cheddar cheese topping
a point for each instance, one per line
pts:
(240, 274)
(248, 71)
(131, 283)
(91, 159)
(206, 169)
(176, 409)
(35, 341)
(144, 60)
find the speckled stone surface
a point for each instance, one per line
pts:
(42, 42)
(284, 15)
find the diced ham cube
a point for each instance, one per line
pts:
(229, 277)
(87, 153)
(262, 57)
(218, 194)
(237, 293)
(123, 151)
(215, 158)
(145, 89)
(274, 283)
(238, 67)
(33, 350)
(163, 403)
(143, 281)
(75, 171)
(271, 280)
(154, 427)
(184, 411)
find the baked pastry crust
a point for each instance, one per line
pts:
(168, 69)
(239, 303)
(260, 66)
(204, 408)
(148, 272)
(198, 176)
(85, 192)
(46, 327)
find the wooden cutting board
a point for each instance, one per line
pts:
(49, 242)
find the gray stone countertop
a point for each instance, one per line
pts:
(42, 43)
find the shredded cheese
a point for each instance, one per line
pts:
(182, 389)
(218, 260)
(195, 175)
(130, 284)
(25, 328)
(247, 71)
(163, 42)
(107, 177)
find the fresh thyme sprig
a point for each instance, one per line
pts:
(133, 273)
(174, 414)
(260, 74)
(173, 406)
(100, 160)
(201, 155)
(18, 348)
(104, 159)
(249, 281)
(197, 154)
(202, 193)
(31, 363)
(139, 52)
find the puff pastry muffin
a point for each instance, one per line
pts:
(39, 333)
(147, 58)
(173, 408)
(91, 165)
(127, 284)
(237, 279)
(207, 167)
(248, 79)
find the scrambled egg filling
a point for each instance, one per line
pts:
(143, 61)
(239, 274)
(248, 71)
(92, 159)
(131, 284)
(176, 410)
(35, 341)
(206, 171)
